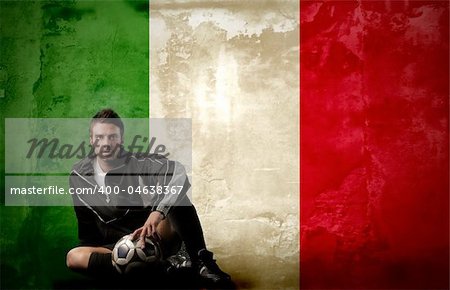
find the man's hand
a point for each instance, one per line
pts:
(149, 228)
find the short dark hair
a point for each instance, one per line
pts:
(107, 116)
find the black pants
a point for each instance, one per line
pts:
(186, 223)
(184, 220)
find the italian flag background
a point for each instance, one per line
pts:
(320, 130)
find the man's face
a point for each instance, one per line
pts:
(106, 140)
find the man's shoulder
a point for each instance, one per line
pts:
(158, 158)
(83, 166)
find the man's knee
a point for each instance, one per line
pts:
(77, 259)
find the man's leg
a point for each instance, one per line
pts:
(170, 240)
(94, 260)
(186, 223)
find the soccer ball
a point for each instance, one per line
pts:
(127, 255)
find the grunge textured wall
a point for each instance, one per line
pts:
(233, 67)
(63, 59)
(374, 144)
(374, 130)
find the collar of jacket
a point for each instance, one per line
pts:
(86, 165)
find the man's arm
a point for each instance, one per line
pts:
(170, 175)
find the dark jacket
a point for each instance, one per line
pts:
(123, 205)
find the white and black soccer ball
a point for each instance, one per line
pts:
(127, 255)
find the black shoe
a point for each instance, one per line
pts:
(209, 269)
(177, 262)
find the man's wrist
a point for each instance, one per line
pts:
(164, 209)
(162, 213)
